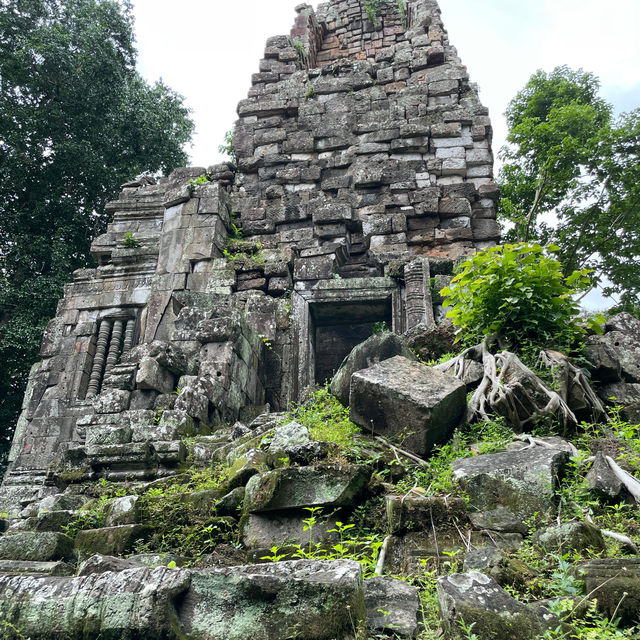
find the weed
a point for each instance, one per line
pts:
(379, 327)
(301, 51)
(226, 148)
(193, 183)
(130, 242)
(326, 419)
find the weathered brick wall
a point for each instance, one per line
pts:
(381, 153)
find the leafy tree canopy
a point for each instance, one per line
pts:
(572, 177)
(76, 121)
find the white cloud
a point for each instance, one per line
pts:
(208, 49)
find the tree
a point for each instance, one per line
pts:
(76, 121)
(572, 177)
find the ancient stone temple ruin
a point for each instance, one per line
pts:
(362, 173)
(364, 170)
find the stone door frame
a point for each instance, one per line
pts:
(352, 291)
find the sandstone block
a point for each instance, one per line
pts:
(408, 402)
(296, 487)
(138, 603)
(375, 349)
(314, 599)
(614, 583)
(476, 599)
(44, 546)
(109, 541)
(151, 375)
(392, 606)
(522, 481)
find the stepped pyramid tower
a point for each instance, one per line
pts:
(363, 172)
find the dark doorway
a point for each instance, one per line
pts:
(340, 326)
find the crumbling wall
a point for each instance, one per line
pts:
(363, 172)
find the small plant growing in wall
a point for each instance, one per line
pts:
(401, 11)
(195, 182)
(372, 8)
(301, 51)
(129, 241)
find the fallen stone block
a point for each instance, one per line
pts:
(264, 530)
(101, 564)
(154, 560)
(522, 481)
(414, 405)
(495, 563)
(418, 513)
(603, 481)
(476, 599)
(287, 435)
(332, 486)
(392, 606)
(614, 583)
(34, 546)
(570, 536)
(151, 375)
(375, 349)
(123, 510)
(316, 600)
(26, 567)
(136, 603)
(53, 520)
(109, 541)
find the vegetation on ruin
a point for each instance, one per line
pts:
(226, 148)
(69, 84)
(518, 294)
(571, 177)
(130, 241)
(326, 419)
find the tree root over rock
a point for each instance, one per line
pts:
(573, 386)
(510, 389)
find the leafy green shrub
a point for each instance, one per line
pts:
(517, 293)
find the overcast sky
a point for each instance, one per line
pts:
(208, 49)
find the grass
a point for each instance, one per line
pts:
(326, 419)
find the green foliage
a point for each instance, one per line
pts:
(326, 419)
(77, 121)
(311, 94)
(589, 626)
(567, 160)
(402, 12)
(372, 9)
(193, 183)
(437, 477)
(301, 51)
(178, 525)
(130, 242)
(379, 327)
(576, 499)
(518, 294)
(351, 545)
(226, 148)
